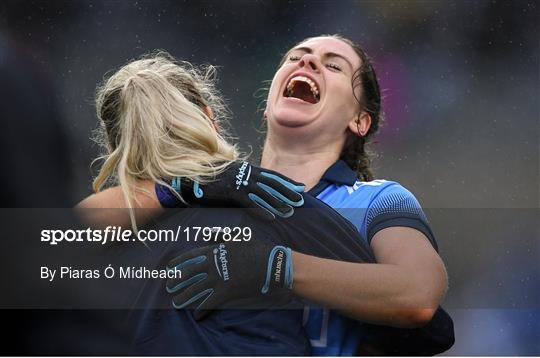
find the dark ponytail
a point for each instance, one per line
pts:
(354, 152)
(358, 158)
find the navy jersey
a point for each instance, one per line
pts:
(314, 229)
(371, 207)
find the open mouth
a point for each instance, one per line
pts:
(302, 88)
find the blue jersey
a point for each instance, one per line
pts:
(158, 329)
(371, 207)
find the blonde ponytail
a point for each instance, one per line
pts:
(154, 125)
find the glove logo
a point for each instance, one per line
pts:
(240, 176)
(220, 253)
(279, 264)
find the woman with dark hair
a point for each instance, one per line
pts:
(323, 106)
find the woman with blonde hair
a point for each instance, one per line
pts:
(161, 118)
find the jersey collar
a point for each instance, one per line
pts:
(338, 173)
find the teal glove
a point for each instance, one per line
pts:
(217, 274)
(268, 193)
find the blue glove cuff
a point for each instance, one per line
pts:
(286, 268)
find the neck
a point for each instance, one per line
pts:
(305, 165)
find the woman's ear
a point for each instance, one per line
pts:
(360, 124)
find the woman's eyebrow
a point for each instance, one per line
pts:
(302, 48)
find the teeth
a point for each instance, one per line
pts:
(312, 84)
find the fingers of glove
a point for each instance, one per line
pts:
(259, 211)
(207, 306)
(288, 194)
(192, 299)
(177, 285)
(200, 296)
(282, 193)
(287, 182)
(271, 204)
(189, 267)
(196, 256)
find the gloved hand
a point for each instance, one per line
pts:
(227, 271)
(268, 193)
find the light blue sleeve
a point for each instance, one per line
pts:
(395, 206)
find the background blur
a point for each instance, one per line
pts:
(461, 85)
